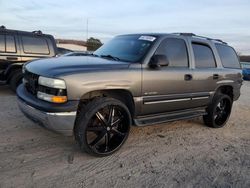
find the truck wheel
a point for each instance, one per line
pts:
(15, 80)
(218, 111)
(102, 126)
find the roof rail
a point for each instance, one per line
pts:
(39, 32)
(198, 36)
(185, 34)
(2, 27)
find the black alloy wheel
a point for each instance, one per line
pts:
(219, 111)
(104, 128)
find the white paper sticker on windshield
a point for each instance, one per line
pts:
(148, 38)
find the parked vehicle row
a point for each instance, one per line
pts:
(246, 70)
(19, 47)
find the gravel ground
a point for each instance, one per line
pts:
(178, 154)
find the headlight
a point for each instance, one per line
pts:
(57, 86)
(50, 82)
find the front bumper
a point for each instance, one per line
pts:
(59, 121)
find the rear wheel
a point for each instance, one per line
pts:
(15, 80)
(103, 126)
(219, 111)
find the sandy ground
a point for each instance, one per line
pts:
(179, 154)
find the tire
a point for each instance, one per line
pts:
(102, 126)
(15, 80)
(218, 111)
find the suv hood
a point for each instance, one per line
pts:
(59, 66)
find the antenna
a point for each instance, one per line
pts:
(87, 29)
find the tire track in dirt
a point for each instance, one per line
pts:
(183, 153)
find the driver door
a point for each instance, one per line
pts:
(168, 88)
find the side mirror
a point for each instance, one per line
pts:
(158, 60)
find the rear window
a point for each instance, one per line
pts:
(228, 56)
(7, 44)
(35, 45)
(204, 57)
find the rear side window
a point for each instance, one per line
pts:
(10, 44)
(176, 52)
(7, 44)
(204, 57)
(35, 45)
(228, 56)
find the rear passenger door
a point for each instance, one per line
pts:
(205, 74)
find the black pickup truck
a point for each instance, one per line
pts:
(18, 47)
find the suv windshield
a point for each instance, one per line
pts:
(131, 48)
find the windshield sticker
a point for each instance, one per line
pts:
(148, 38)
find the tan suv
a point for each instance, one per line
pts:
(137, 79)
(18, 47)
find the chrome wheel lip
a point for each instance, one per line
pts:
(110, 130)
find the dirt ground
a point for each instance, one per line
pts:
(178, 154)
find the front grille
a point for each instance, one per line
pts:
(31, 82)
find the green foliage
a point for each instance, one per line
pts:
(93, 44)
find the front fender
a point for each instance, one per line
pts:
(80, 84)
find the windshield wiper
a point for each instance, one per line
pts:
(111, 57)
(93, 55)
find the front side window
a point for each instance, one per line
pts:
(35, 45)
(131, 48)
(228, 56)
(175, 50)
(204, 57)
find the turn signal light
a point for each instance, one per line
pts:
(59, 99)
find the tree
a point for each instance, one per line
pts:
(93, 44)
(238, 53)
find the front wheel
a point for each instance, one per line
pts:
(218, 111)
(102, 126)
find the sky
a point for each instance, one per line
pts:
(224, 19)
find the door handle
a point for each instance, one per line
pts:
(215, 76)
(11, 58)
(188, 77)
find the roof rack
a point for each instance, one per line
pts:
(39, 32)
(198, 36)
(185, 34)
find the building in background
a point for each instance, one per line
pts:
(74, 45)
